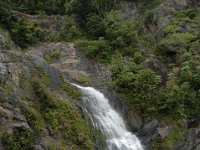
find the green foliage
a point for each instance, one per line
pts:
(177, 42)
(139, 86)
(148, 4)
(25, 34)
(62, 120)
(22, 140)
(70, 90)
(69, 31)
(95, 26)
(53, 56)
(109, 35)
(45, 78)
(96, 49)
(6, 13)
(83, 79)
(49, 6)
(85, 8)
(119, 32)
(176, 134)
(149, 18)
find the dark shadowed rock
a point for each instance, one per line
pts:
(1, 146)
(134, 121)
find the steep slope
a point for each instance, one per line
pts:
(38, 106)
(144, 55)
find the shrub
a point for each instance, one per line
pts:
(25, 34)
(69, 31)
(60, 118)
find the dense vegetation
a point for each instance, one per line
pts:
(104, 33)
(101, 30)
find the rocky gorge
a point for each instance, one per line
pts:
(40, 109)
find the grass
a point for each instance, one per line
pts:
(21, 140)
(83, 79)
(53, 56)
(45, 78)
(48, 112)
(177, 134)
(70, 91)
(61, 119)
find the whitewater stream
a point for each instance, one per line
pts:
(106, 119)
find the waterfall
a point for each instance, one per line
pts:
(108, 121)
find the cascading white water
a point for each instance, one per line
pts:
(108, 121)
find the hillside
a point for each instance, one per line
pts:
(143, 55)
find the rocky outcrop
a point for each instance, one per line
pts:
(192, 141)
(16, 71)
(130, 10)
(164, 12)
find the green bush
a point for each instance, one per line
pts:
(25, 34)
(177, 42)
(97, 49)
(69, 31)
(6, 15)
(95, 26)
(60, 118)
(22, 140)
(53, 56)
(139, 86)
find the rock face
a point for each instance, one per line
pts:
(166, 10)
(16, 97)
(192, 140)
(129, 10)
